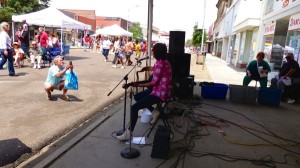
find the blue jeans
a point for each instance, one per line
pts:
(105, 52)
(9, 57)
(25, 49)
(144, 100)
(44, 53)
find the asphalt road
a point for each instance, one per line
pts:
(29, 121)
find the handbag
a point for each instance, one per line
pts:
(71, 81)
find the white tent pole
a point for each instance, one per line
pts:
(149, 32)
(13, 30)
(61, 40)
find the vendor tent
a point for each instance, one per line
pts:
(113, 30)
(50, 17)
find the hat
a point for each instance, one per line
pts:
(289, 55)
(33, 42)
(16, 43)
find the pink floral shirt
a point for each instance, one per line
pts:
(161, 81)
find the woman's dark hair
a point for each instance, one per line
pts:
(160, 51)
(261, 54)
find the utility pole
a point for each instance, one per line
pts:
(202, 40)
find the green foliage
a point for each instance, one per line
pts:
(189, 42)
(23, 6)
(197, 36)
(5, 14)
(20, 7)
(136, 30)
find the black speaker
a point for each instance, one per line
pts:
(176, 42)
(180, 64)
(161, 143)
(184, 88)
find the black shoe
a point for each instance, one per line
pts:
(14, 75)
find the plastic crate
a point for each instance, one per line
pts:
(243, 94)
(269, 96)
(214, 91)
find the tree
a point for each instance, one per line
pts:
(136, 30)
(21, 7)
(6, 14)
(197, 36)
(189, 42)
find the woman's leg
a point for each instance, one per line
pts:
(246, 81)
(263, 82)
(146, 102)
(10, 63)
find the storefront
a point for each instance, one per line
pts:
(293, 37)
(268, 41)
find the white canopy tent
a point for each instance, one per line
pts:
(113, 30)
(50, 17)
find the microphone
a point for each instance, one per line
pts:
(141, 59)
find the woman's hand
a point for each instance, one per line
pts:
(5, 52)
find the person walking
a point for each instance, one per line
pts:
(106, 47)
(86, 41)
(6, 50)
(128, 50)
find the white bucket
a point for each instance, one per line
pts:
(146, 116)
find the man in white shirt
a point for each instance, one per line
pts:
(105, 48)
(6, 49)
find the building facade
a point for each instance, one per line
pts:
(280, 27)
(102, 21)
(245, 27)
(236, 30)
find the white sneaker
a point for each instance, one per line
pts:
(122, 67)
(291, 101)
(105, 60)
(34, 66)
(155, 115)
(114, 66)
(125, 136)
(39, 66)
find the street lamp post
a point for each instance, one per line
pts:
(202, 40)
(128, 10)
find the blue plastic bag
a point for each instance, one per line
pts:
(71, 81)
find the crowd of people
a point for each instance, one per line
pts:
(122, 48)
(15, 52)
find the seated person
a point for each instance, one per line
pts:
(35, 54)
(287, 74)
(160, 84)
(19, 54)
(55, 78)
(256, 69)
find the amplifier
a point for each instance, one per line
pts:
(161, 143)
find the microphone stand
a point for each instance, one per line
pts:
(129, 152)
(125, 78)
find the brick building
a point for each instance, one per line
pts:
(84, 16)
(102, 21)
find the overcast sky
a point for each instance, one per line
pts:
(168, 14)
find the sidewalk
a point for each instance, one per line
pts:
(92, 145)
